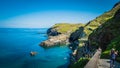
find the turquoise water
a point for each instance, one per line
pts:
(16, 44)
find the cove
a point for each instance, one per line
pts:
(17, 43)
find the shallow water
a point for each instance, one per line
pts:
(16, 44)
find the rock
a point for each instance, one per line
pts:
(52, 32)
(33, 53)
(55, 40)
(76, 35)
(75, 52)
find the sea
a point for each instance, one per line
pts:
(17, 43)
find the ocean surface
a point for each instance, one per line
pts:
(17, 43)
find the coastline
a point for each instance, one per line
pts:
(100, 32)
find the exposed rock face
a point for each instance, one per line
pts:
(55, 40)
(52, 32)
(76, 35)
(74, 43)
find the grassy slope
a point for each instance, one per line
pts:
(66, 27)
(92, 25)
(113, 25)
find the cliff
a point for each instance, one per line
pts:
(107, 36)
(102, 32)
(98, 21)
(93, 28)
(108, 31)
(59, 34)
(92, 25)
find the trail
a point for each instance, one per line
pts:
(105, 63)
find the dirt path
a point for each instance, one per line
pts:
(105, 63)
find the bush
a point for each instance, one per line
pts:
(80, 63)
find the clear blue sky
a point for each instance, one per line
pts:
(45, 13)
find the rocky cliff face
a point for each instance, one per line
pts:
(55, 40)
(76, 35)
(52, 32)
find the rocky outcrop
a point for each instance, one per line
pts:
(59, 34)
(78, 52)
(55, 40)
(52, 32)
(76, 35)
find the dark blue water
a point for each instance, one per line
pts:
(16, 44)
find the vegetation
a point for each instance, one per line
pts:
(92, 25)
(66, 27)
(80, 63)
(109, 32)
(115, 43)
(103, 26)
(106, 27)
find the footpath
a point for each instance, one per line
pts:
(105, 63)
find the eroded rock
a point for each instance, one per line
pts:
(55, 40)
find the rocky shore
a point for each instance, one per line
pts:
(59, 34)
(55, 40)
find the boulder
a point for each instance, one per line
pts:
(33, 53)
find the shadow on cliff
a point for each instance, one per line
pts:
(73, 39)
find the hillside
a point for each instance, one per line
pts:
(63, 28)
(104, 32)
(109, 30)
(107, 36)
(59, 34)
(92, 25)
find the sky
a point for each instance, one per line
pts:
(45, 13)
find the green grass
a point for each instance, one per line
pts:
(105, 54)
(92, 25)
(66, 27)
